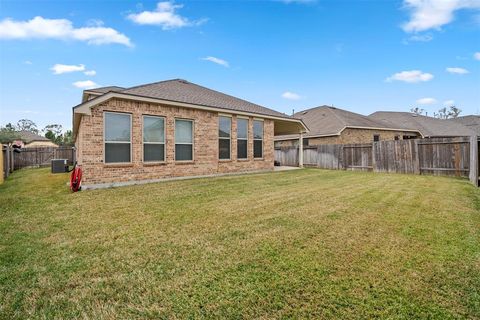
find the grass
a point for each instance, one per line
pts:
(305, 243)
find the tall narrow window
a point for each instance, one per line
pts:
(376, 137)
(242, 138)
(153, 139)
(257, 139)
(183, 140)
(224, 134)
(117, 137)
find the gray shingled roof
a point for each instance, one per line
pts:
(106, 89)
(179, 90)
(472, 122)
(27, 137)
(326, 120)
(428, 126)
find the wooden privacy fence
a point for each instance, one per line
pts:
(438, 156)
(34, 157)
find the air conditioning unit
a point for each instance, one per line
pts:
(59, 165)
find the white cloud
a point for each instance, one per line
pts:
(87, 84)
(457, 70)
(476, 55)
(421, 38)
(425, 101)
(60, 29)
(27, 62)
(164, 16)
(412, 76)
(65, 68)
(217, 61)
(291, 96)
(433, 14)
(90, 73)
(449, 103)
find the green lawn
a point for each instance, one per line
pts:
(304, 243)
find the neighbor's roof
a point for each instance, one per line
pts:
(472, 122)
(428, 126)
(329, 121)
(27, 137)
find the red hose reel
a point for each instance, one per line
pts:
(76, 179)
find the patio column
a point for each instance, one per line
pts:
(300, 151)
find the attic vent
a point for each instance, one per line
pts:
(304, 112)
(183, 81)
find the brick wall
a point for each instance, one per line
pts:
(350, 135)
(90, 145)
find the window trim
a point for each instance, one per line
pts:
(164, 139)
(175, 142)
(105, 141)
(223, 138)
(246, 139)
(263, 137)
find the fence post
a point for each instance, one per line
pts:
(300, 151)
(7, 162)
(12, 165)
(417, 157)
(374, 160)
(473, 174)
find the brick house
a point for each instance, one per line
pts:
(330, 125)
(170, 129)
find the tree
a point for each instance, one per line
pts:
(8, 134)
(27, 125)
(445, 113)
(68, 138)
(454, 112)
(417, 110)
(53, 132)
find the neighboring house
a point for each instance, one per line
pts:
(330, 125)
(429, 127)
(31, 140)
(172, 128)
(472, 122)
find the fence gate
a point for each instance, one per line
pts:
(358, 157)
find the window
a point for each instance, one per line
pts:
(305, 142)
(376, 137)
(242, 138)
(183, 140)
(224, 134)
(397, 137)
(117, 138)
(153, 139)
(257, 139)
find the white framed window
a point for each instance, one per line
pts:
(242, 138)
(153, 139)
(183, 140)
(117, 129)
(257, 139)
(224, 137)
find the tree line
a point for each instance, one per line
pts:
(53, 132)
(442, 113)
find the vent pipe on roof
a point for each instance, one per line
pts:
(293, 112)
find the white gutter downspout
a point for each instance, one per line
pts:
(300, 151)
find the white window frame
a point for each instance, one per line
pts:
(263, 136)
(246, 139)
(164, 138)
(192, 143)
(105, 141)
(223, 138)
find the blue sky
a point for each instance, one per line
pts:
(363, 56)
